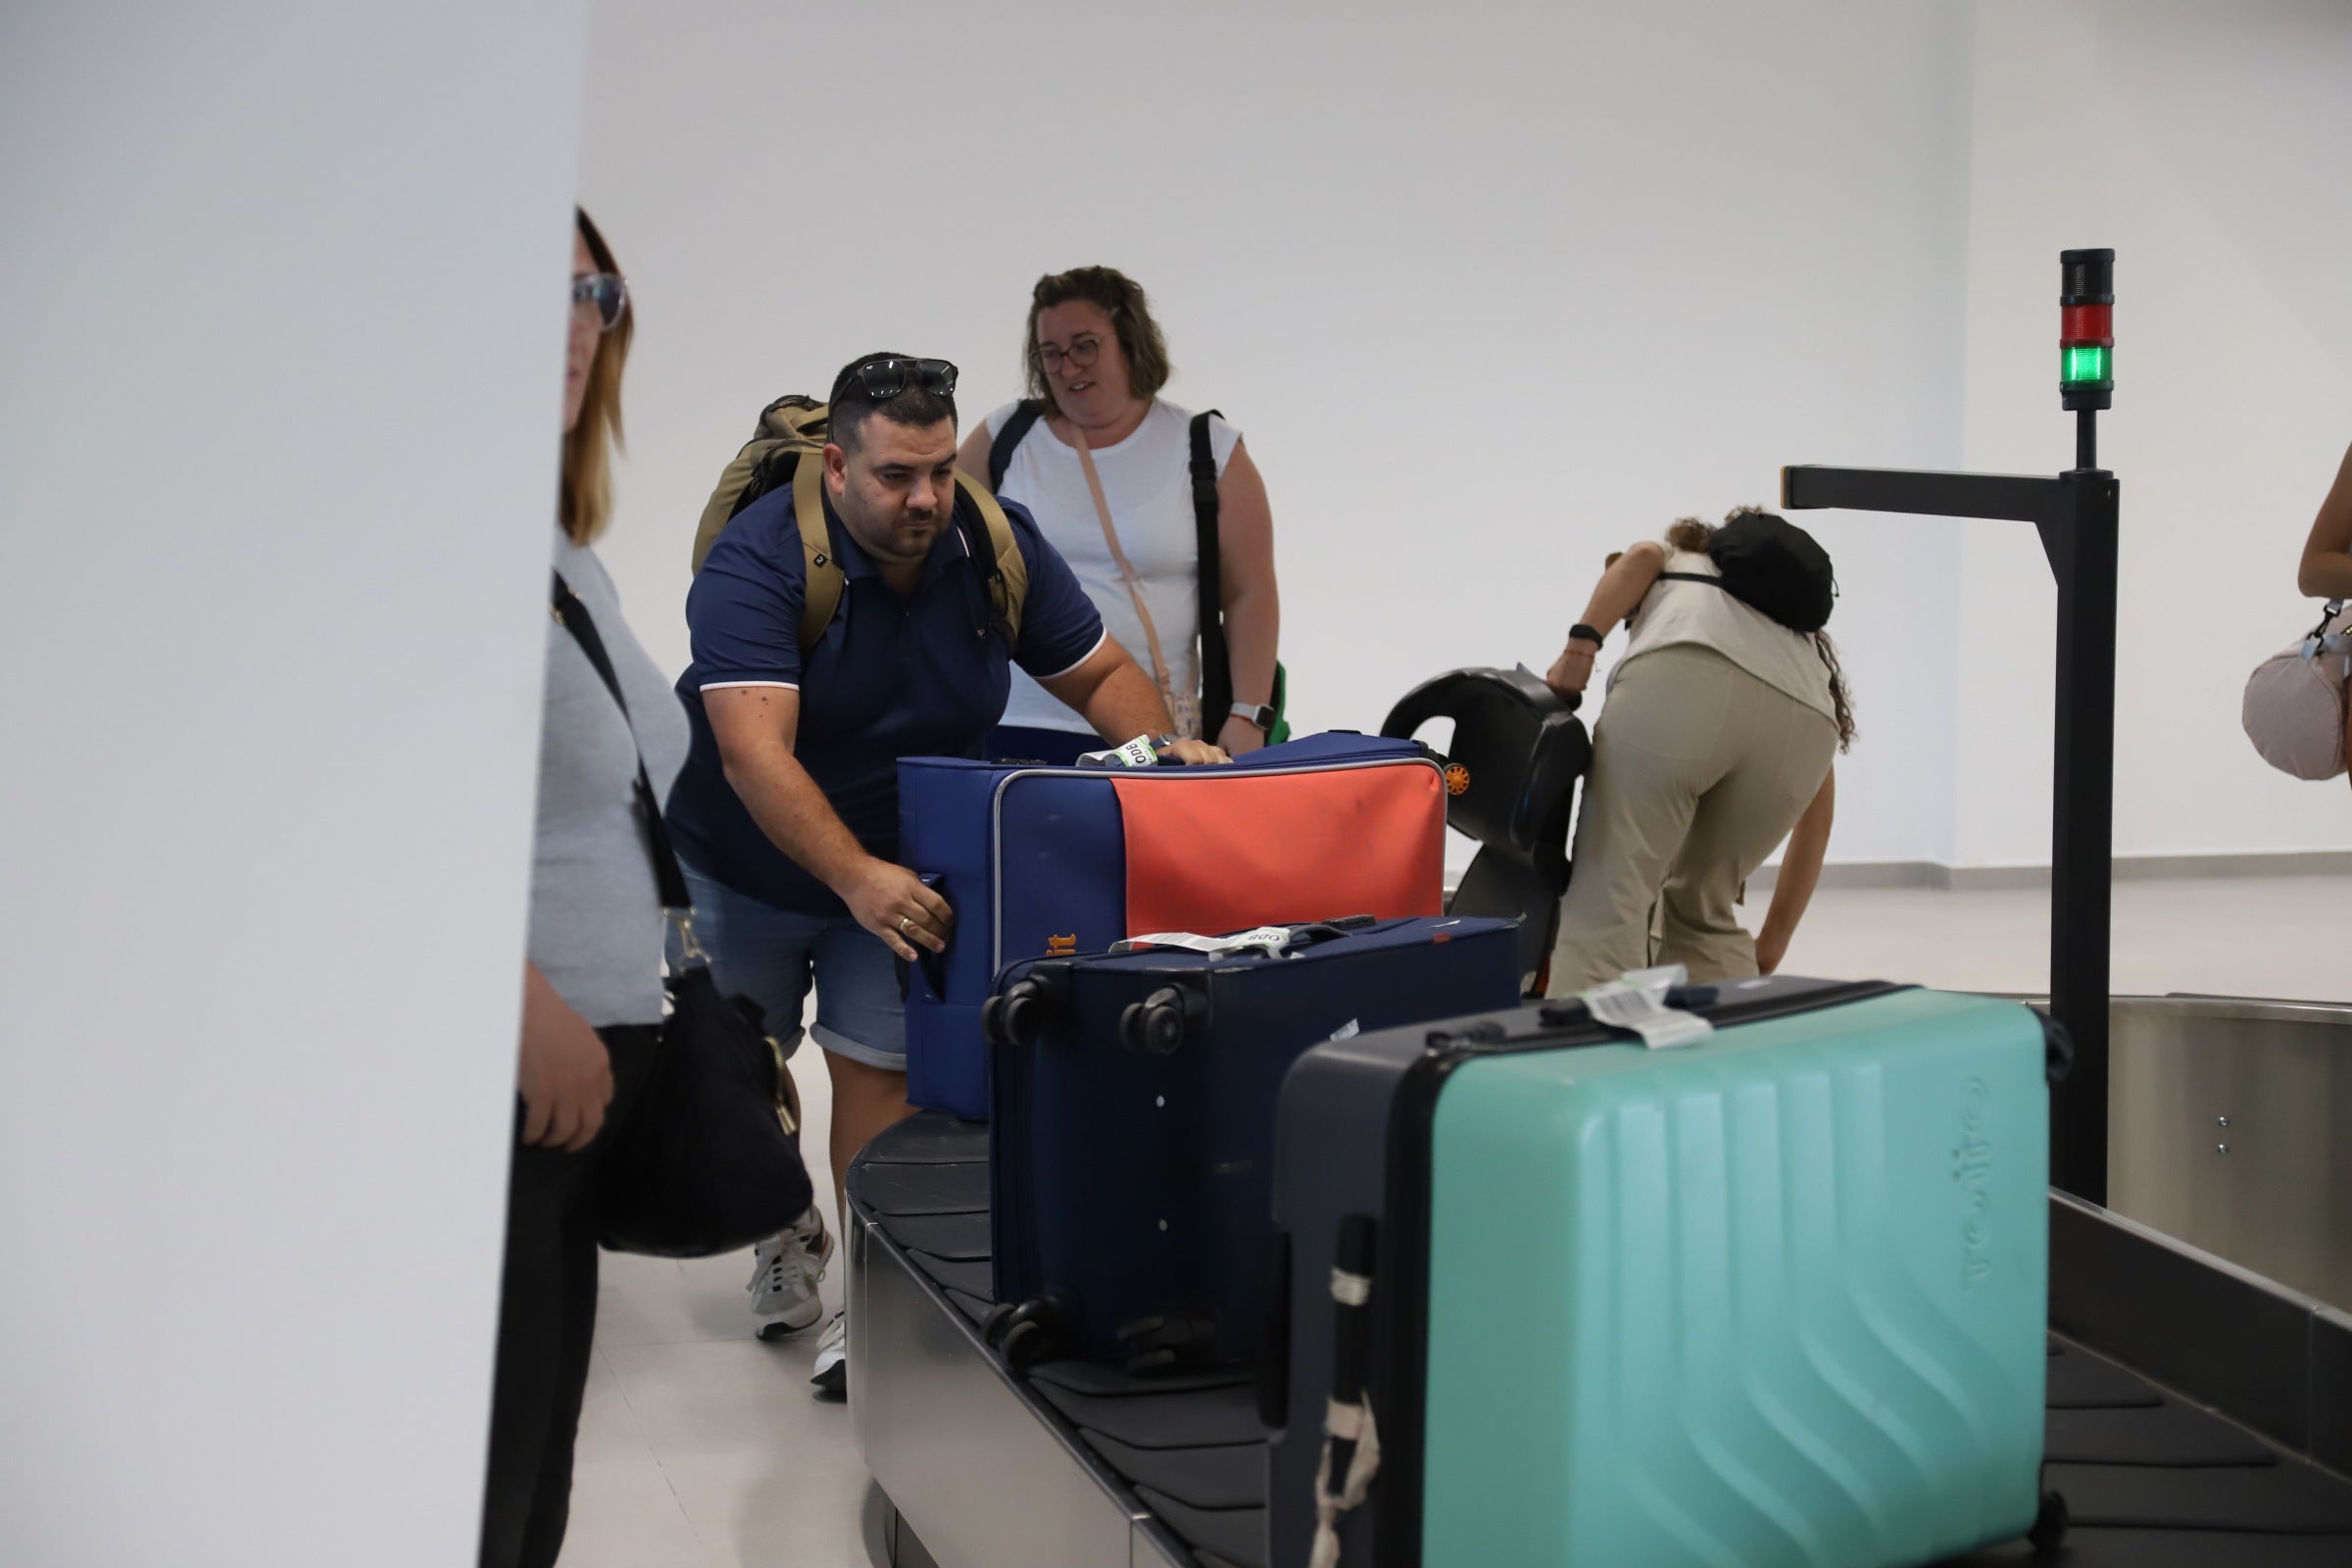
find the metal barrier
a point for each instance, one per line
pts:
(2230, 1129)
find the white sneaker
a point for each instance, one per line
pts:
(831, 1372)
(786, 1270)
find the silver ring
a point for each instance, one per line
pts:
(904, 920)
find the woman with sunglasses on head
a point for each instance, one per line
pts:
(1105, 467)
(592, 986)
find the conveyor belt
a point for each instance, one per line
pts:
(2152, 1482)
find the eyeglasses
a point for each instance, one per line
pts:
(885, 376)
(1082, 352)
(605, 294)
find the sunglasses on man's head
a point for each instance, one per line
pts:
(885, 378)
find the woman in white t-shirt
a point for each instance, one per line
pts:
(1128, 528)
(1714, 746)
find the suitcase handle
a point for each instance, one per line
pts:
(1307, 936)
(1571, 1010)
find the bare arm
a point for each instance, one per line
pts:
(1800, 874)
(1248, 596)
(972, 456)
(563, 1073)
(1113, 695)
(2326, 571)
(755, 727)
(1617, 594)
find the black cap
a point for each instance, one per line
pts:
(2087, 277)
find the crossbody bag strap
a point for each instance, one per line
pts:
(1135, 589)
(668, 877)
(1216, 660)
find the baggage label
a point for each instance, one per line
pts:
(1638, 1001)
(1272, 938)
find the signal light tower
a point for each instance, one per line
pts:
(2076, 514)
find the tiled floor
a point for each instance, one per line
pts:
(701, 1448)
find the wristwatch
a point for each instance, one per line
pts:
(1580, 630)
(1259, 714)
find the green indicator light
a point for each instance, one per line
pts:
(2084, 362)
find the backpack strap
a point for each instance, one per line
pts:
(1007, 568)
(822, 580)
(821, 577)
(1025, 414)
(1216, 666)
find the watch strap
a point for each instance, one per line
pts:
(1580, 630)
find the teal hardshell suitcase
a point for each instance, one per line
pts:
(1778, 1297)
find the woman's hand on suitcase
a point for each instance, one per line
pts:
(1572, 672)
(892, 904)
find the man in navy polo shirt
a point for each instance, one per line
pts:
(787, 813)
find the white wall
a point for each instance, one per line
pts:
(1493, 290)
(278, 441)
(2207, 144)
(1491, 293)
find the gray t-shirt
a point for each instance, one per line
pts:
(596, 917)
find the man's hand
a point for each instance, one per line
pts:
(1572, 672)
(1771, 948)
(1240, 737)
(892, 904)
(1193, 753)
(565, 1075)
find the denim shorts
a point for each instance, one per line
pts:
(771, 954)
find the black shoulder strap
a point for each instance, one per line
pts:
(1000, 451)
(667, 877)
(1690, 576)
(1216, 667)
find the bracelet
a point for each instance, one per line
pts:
(1580, 630)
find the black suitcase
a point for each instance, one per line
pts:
(1511, 771)
(1132, 1128)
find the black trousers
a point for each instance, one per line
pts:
(547, 1325)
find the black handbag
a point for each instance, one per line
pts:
(710, 1159)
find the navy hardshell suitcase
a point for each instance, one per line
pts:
(1131, 1145)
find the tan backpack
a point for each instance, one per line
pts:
(784, 450)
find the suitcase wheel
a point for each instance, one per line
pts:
(1017, 1015)
(2050, 1524)
(1157, 1024)
(992, 1327)
(1025, 1345)
(1026, 1333)
(1166, 1341)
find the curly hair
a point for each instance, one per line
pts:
(1115, 295)
(1691, 535)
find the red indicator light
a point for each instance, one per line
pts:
(2086, 324)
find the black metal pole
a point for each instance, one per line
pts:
(2081, 539)
(2086, 438)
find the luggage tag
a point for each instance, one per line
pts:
(1638, 1001)
(1140, 752)
(1272, 938)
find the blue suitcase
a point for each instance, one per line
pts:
(1131, 1151)
(1044, 861)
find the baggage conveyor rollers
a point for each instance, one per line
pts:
(1079, 1465)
